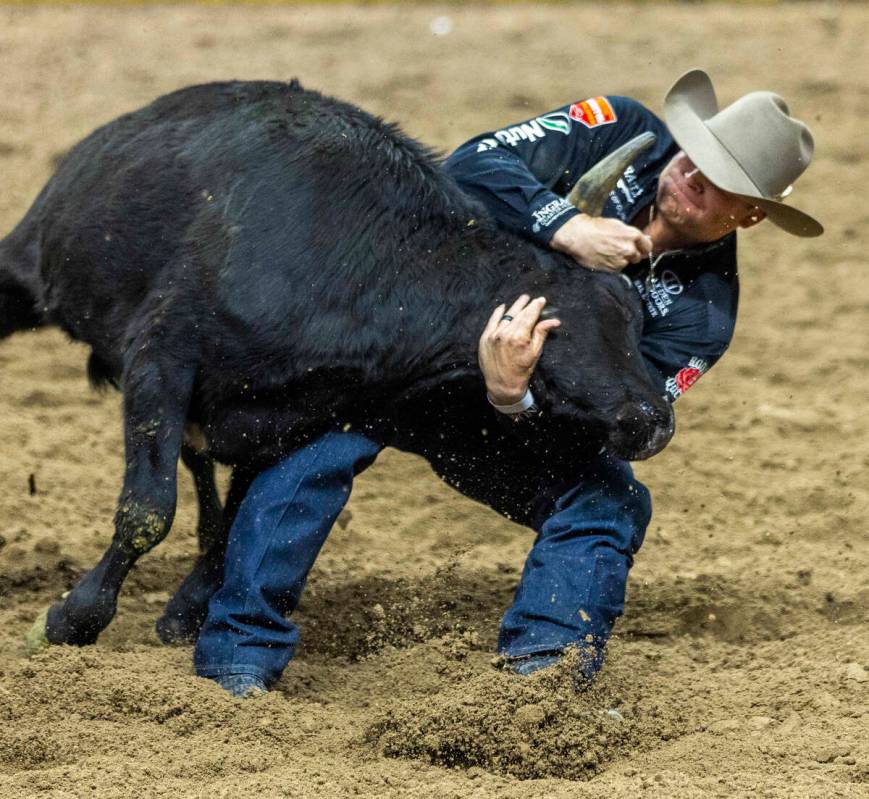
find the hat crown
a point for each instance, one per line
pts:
(771, 146)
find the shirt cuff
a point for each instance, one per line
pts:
(551, 216)
(517, 407)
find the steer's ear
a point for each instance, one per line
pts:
(590, 193)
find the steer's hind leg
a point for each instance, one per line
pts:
(187, 609)
(157, 384)
(201, 465)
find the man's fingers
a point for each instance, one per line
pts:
(541, 331)
(494, 319)
(644, 244)
(524, 322)
(517, 307)
(615, 264)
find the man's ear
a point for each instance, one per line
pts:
(752, 218)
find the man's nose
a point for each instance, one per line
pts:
(694, 177)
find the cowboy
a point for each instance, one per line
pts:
(670, 227)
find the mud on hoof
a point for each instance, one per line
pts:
(36, 639)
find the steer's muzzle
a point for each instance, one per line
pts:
(641, 430)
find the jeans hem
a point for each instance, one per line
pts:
(537, 649)
(217, 671)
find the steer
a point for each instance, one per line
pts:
(268, 263)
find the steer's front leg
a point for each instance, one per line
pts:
(157, 389)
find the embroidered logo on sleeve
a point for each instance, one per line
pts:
(530, 131)
(686, 377)
(545, 216)
(593, 112)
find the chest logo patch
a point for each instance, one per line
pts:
(686, 377)
(671, 283)
(593, 112)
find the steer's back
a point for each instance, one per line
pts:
(300, 240)
(258, 205)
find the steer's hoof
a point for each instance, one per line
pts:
(36, 638)
(172, 630)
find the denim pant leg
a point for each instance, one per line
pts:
(278, 532)
(573, 584)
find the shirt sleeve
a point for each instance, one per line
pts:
(498, 172)
(523, 172)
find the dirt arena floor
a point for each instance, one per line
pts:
(742, 665)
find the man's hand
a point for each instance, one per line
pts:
(510, 348)
(597, 242)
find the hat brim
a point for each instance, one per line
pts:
(687, 106)
(789, 219)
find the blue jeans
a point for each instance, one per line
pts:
(280, 527)
(589, 525)
(572, 588)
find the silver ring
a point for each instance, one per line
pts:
(506, 318)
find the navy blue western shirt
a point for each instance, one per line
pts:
(522, 174)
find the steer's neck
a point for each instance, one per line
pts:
(474, 274)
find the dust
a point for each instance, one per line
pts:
(740, 668)
(362, 618)
(530, 728)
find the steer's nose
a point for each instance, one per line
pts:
(642, 429)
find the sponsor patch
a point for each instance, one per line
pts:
(659, 293)
(686, 377)
(530, 131)
(545, 216)
(624, 195)
(593, 112)
(556, 121)
(671, 283)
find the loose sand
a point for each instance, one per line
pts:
(740, 668)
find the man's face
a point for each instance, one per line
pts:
(694, 209)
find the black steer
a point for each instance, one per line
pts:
(267, 263)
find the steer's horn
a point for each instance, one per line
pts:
(590, 193)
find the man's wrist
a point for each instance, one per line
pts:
(564, 236)
(512, 408)
(500, 394)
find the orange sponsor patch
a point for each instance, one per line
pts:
(593, 112)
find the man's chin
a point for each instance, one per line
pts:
(682, 227)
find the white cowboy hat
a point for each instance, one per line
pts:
(753, 147)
